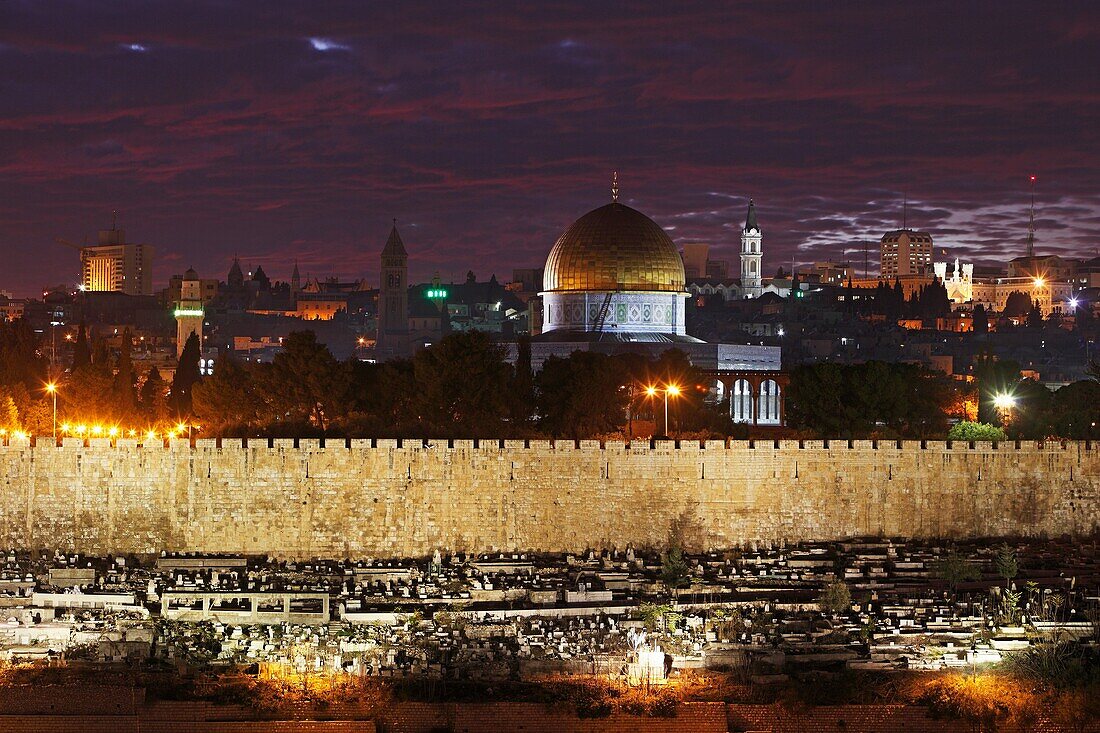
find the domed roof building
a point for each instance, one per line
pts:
(614, 275)
(614, 283)
(614, 247)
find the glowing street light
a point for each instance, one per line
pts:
(1004, 403)
(51, 389)
(1039, 282)
(669, 389)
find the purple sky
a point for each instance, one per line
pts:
(299, 132)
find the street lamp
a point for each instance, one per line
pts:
(51, 389)
(669, 389)
(1004, 404)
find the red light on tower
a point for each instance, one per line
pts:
(1033, 179)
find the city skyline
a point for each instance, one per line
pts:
(220, 131)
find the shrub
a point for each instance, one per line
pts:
(967, 431)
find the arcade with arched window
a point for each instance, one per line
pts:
(755, 397)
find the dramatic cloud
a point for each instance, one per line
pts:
(217, 128)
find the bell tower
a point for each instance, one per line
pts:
(393, 297)
(751, 255)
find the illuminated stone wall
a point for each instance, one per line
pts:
(384, 500)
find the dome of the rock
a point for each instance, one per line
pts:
(614, 248)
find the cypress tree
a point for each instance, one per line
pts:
(186, 377)
(82, 355)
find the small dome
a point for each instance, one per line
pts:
(614, 247)
(190, 274)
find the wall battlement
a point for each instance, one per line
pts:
(377, 498)
(313, 444)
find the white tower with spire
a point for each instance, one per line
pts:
(751, 255)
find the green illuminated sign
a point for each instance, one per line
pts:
(184, 312)
(437, 293)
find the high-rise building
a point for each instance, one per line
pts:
(115, 265)
(393, 298)
(695, 255)
(751, 255)
(905, 252)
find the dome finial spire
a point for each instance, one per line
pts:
(614, 187)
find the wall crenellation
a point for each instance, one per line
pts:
(177, 444)
(384, 497)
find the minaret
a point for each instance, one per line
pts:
(393, 297)
(189, 311)
(751, 255)
(295, 279)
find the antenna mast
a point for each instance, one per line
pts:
(1031, 223)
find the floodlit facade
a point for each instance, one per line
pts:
(116, 266)
(1052, 296)
(905, 252)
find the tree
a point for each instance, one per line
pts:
(307, 384)
(186, 377)
(968, 432)
(582, 396)
(462, 387)
(20, 361)
(1017, 304)
(82, 356)
(227, 402)
(859, 400)
(523, 383)
(1093, 370)
(86, 397)
(955, 569)
(380, 399)
(981, 320)
(1004, 561)
(835, 598)
(1031, 415)
(1035, 316)
(154, 397)
(675, 572)
(1075, 410)
(9, 413)
(123, 390)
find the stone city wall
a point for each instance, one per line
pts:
(363, 498)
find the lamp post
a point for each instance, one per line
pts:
(1004, 404)
(668, 389)
(51, 388)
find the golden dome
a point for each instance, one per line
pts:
(614, 247)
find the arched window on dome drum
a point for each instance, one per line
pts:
(768, 403)
(741, 401)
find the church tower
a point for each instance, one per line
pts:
(393, 297)
(751, 255)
